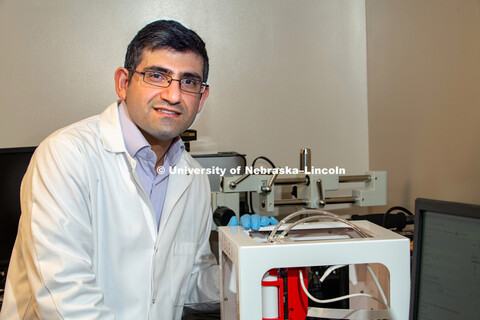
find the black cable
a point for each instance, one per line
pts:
(263, 158)
(404, 210)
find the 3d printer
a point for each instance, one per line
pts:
(280, 272)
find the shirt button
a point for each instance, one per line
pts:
(149, 155)
(153, 301)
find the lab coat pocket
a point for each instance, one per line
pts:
(183, 257)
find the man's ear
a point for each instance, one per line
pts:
(121, 82)
(202, 99)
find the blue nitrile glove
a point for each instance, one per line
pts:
(233, 221)
(254, 221)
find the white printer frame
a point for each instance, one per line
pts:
(246, 261)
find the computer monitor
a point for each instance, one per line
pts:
(13, 165)
(446, 261)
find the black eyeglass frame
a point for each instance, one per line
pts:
(203, 86)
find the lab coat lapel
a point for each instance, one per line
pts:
(177, 184)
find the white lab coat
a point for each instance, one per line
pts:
(88, 246)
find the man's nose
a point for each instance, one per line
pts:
(172, 92)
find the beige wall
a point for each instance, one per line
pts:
(423, 67)
(284, 74)
(423, 78)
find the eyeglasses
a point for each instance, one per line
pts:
(163, 80)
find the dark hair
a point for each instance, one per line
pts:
(163, 34)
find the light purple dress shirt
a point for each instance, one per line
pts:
(155, 185)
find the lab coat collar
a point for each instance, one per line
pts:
(110, 129)
(134, 139)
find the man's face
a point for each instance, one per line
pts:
(162, 114)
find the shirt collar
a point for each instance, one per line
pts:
(174, 152)
(135, 141)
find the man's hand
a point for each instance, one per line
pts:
(254, 221)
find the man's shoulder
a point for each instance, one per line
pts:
(87, 124)
(75, 132)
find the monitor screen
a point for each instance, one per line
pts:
(446, 261)
(13, 164)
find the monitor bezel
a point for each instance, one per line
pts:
(17, 150)
(423, 205)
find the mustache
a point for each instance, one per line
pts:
(162, 103)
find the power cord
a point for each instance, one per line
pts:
(384, 302)
(385, 217)
(388, 220)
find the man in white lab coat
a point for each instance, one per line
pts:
(106, 231)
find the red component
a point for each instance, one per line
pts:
(297, 300)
